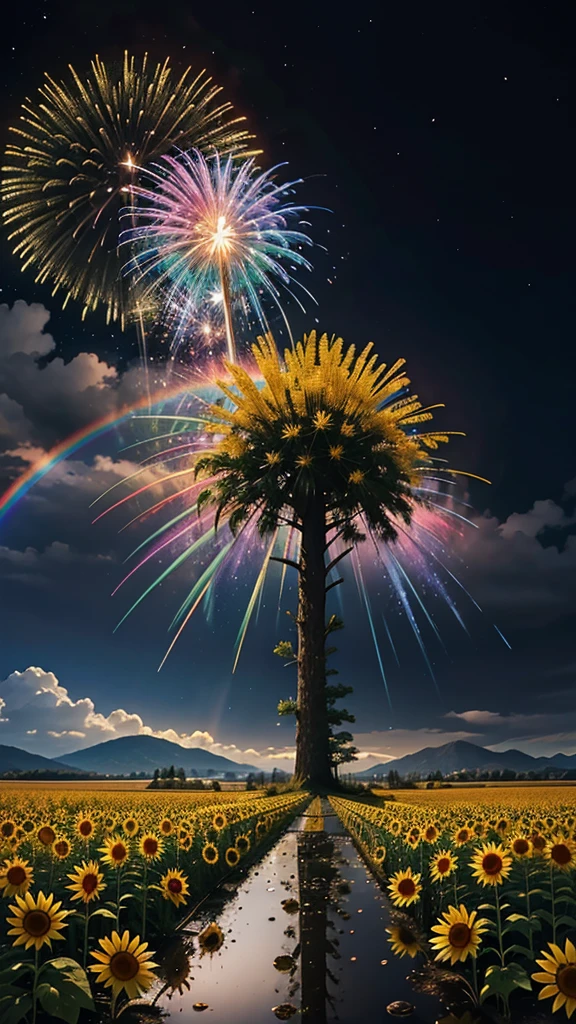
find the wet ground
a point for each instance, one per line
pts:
(305, 934)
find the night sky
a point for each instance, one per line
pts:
(441, 138)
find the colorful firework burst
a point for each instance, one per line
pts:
(213, 228)
(75, 160)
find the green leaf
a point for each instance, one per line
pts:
(545, 915)
(565, 919)
(503, 980)
(522, 950)
(49, 997)
(14, 1010)
(103, 912)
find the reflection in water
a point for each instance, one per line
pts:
(304, 933)
(316, 873)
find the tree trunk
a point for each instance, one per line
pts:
(312, 749)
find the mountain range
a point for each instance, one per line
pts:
(145, 753)
(124, 755)
(462, 756)
(12, 759)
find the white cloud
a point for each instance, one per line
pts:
(35, 704)
(22, 330)
(487, 718)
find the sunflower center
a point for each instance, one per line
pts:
(430, 833)
(443, 865)
(61, 848)
(459, 935)
(566, 980)
(175, 885)
(538, 842)
(46, 835)
(130, 825)
(16, 875)
(561, 853)
(405, 936)
(521, 846)
(90, 882)
(150, 846)
(124, 965)
(210, 853)
(36, 923)
(492, 864)
(8, 829)
(85, 828)
(406, 887)
(118, 851)
(462, 835)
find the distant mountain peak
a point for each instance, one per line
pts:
(461, 755)
(140, 753)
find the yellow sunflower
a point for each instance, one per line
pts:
(185, 842)
(210, 853)
(115, 852)
(459, 934)
(561, 852)
(442, 865)
(404, 888)
(558, 976)
(46, 835)
(37, 920)
(61, 848)
(174, 887)
(463, 835)
(7, 829)
(431, 834)
(538, 842)
(491, 864)
(123, 964)
(219, 820)
(86, 882)
(166, 827)
(379, 855)
(85, 827)
(151, 846)
(242, 844)
(16, 877)
(131, 827)
(211, 939)
(520, 847)
(232, 856)
(405, 938)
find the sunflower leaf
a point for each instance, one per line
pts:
(14, 1010)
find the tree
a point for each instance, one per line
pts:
(340, 747)
(181, 776)
(329, 447)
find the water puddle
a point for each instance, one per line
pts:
(304, 938)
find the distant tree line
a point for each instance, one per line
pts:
(437, 778)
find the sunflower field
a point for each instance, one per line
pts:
(87, 880)
(484, 890)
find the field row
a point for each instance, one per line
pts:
(96, 881)
(483, 888)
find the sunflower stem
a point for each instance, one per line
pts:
(499, 924)
(145, 899)
(528, 909)
(553, 903)
(86, 922)
(118, 870)
(34, 990)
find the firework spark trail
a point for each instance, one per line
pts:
(362, 591)
(258, 586)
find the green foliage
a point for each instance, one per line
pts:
(285, 650)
